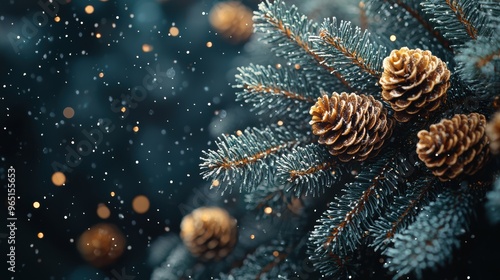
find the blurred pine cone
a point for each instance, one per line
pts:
(456, 146)
(414, 82)
(493, 132)
(233, 20)
(209, 233)
(102, 244)
(354, 127)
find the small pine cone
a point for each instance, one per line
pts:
(209, 233)
(233, 20)
(102, 244)
(456, 146)
(352, 126)
(414, 82)
(493, 133)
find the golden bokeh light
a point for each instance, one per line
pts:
(392, 38)
(173, 31)
(112, 194)
(140, 204)
(40, 235)
(89, 9)
(209, 44)
(252, 236)
(98, 35)
(268, 210)
(123, 109)
(135, 128)
(57, 19)
(147, 48)
(36, 204)
(68, 112)
(103, 211)
(58, 178)
(101, 75)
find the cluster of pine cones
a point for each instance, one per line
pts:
(414, 83)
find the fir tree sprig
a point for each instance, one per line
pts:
(459, 21)
(308, 170)
(343, 226)
(492, 205)
(247, 159)
(388, 205)
(290, 30)
(267, 262)
(351, 52)
(418, 32)
(177, 265)
(278, 92)
(479, 64)
(401, 212)
(272, 197)
(428, 243)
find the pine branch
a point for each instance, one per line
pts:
(336, 266)
(287, 28)
(492, 205)
(460, 21)
(401, 212)
(272, 198)
(161, 248)
(343, 10)
(277, 92)
(246, 159)
(267, 262)
(418, 31)
(308, 170)
(428, 242)
(177, 265)
(492, 9)
(344, 224)
(479, 64)
(351, 52)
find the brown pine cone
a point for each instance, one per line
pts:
(414, 82)
(209, 233)
(233, 20)
(102, 244)
(354, 127)
(493, 132)
(456, 146)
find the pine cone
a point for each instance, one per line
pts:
(233, 20)
(352, 126)
(414, 82)
(455, 146)
(102, 244)
(493, 133)
(209, 233)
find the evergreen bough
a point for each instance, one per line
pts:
(387, 216)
